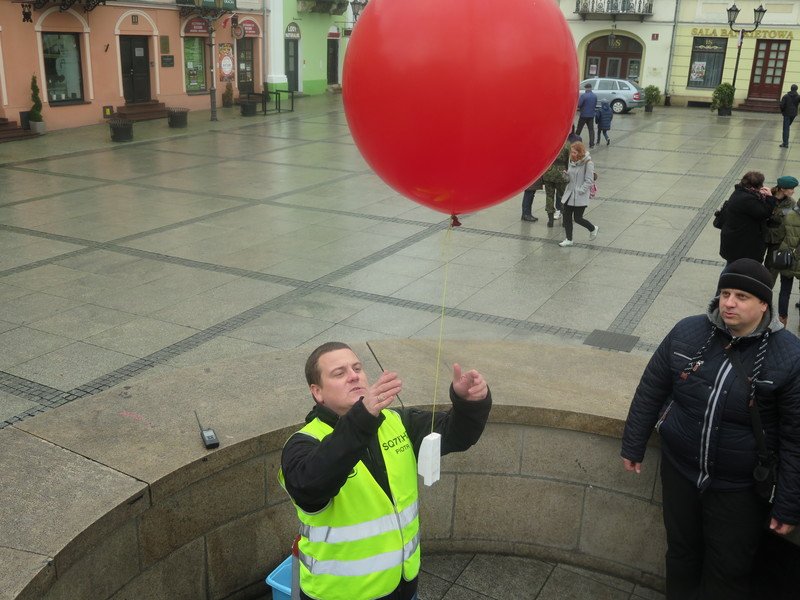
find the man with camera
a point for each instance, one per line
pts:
(723, 391)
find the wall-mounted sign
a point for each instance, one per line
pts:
(226, 63)
(250, 28)
(226, 4)
(292, 31)
(196, 25)
(772, 34)
(167, 60)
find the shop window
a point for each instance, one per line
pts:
(62, 67)
(708, 58)
(194, 55)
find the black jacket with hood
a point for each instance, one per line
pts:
(696, 400)
(789, 103)
(743, 230)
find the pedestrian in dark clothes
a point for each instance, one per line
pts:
(789, 104)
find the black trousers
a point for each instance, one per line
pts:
(589, 122)
(712, 538)
(777, 569)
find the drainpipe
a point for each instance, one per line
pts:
(264, 45)
(667, 101)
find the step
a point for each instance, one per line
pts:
(6, 124)
(10, 135)
(756, 105)
(142, 116)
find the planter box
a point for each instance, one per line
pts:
(249, 109)
(177, 117)
(38, 127)
(121, 130)
(724, 112)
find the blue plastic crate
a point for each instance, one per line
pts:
(281, 580)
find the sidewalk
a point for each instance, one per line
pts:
(265, 233)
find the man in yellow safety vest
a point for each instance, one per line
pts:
(352, 475)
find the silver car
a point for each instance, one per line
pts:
(621, 94)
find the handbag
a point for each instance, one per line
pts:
(782, 259)
(765, 472)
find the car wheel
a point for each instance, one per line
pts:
(618, 106)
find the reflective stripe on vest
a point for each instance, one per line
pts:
(350, 533)
(364, 566)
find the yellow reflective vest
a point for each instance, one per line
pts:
(361, 544)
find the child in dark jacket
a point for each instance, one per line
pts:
(602, 117)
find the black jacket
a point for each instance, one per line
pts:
(742, 235)
(789, 103)
(702, 416)
(314, 471)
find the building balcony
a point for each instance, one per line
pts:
(614, 9)
(332, 7)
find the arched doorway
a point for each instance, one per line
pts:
(616, 56)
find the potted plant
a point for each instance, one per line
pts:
(722, 99)
(652, 96)
(35, 114)
(227, 96)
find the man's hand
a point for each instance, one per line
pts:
(780, 528)
(632, 466)
(382, 393)
(470, 385)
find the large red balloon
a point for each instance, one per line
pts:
(460, 104)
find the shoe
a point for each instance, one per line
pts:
(557, 214)
(783, 320)
(565, 243)
(593, 233)
(550, 220)
(530, 218)
(591, 146)
(608, 141)
(783, 146)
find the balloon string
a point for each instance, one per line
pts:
(445, 245)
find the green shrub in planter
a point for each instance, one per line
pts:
(722, 98)
(35, 114)
(652, 95)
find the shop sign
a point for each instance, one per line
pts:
(196, 25)
(167, 60)
(772, 34)
(292, 31)
(226, 63)
(250, 29)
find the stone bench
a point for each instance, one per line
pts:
(115, 497)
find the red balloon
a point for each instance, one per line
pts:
(460, 104)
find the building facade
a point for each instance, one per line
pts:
(705, 52)
(91, 58)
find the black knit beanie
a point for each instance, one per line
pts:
(749, 276)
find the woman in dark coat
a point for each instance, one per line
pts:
(745, 219)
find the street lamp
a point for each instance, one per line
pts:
(210, 16)
(733, 12)
(357, 6)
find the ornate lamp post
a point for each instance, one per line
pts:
(203, 10)
(357, 6)
(733, 12)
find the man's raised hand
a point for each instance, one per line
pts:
(470, 385)
(382, 393)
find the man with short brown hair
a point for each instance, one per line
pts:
(351, 473)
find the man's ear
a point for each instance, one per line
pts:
(316, 391)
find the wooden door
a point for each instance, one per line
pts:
(292, 65)
(135, 64)
(244, 64)
(769, 69)
(333, 62)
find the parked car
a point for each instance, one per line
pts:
(621, 94)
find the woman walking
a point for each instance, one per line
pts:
(580, 176)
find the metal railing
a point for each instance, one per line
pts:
(614, 7)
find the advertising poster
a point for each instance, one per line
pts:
(193, 48)
(698, 72)
(226, 62)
